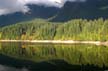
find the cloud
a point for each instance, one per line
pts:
(5, 68)
(12, 6)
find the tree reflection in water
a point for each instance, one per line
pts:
(54, 56)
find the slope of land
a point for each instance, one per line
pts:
(77, 29)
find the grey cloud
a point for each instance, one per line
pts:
(5, 68)
(12, 6)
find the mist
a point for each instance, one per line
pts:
(6, 68)
(13, 6)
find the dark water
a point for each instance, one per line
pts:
(52, 57)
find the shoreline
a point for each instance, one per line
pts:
(59, 41)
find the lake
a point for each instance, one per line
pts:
(53, 57)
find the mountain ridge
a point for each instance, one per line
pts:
(91, 9)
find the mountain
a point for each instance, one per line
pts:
(35, 12)
(91, 9)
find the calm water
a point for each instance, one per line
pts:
(52, 57)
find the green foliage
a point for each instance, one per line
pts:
(77, 29)
(72, 54)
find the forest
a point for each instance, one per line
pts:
(39, 29)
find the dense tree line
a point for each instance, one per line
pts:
(76, 29)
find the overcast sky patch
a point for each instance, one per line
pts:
(12, 6)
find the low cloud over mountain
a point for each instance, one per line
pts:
(12, 6)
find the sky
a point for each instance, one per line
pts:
(12, 6)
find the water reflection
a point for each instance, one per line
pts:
(6, 68)
(54, 56)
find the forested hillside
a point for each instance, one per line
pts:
(76, 29)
